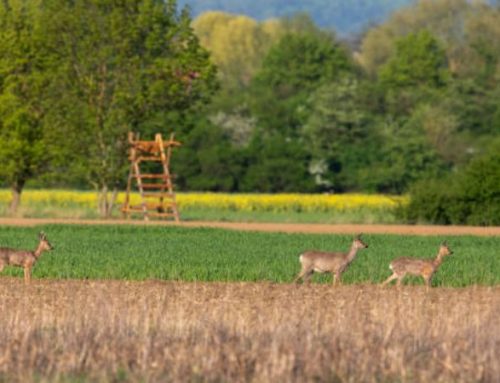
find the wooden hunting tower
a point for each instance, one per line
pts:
(155, 185)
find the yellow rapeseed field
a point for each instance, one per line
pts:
(224, 201)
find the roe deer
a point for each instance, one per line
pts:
(419, 267)
(24, 258)
(328, 262)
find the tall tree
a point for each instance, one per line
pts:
(337, 133)
(123, 65)
(445, 19)
(417, 68)
(23, 81)
(293, 68)
(237, 45)
(419, 60)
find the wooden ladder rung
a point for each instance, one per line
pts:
(158, 195)
(159, 176)
(154, 186)
(149, 158)
(154, 206)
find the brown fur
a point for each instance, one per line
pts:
(24, 258)
(328, 262)
(420, 267)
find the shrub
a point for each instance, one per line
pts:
(428, 203)
(471, 197)
(480, 191)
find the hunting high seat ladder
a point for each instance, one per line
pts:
(162, 190)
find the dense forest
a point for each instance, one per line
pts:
(344, 16)
(278, 105)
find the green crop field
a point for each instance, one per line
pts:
(202, 254)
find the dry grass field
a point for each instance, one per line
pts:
(117, 331)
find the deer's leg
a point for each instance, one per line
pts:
(304, 274)
(428, 281)
(390, 279)
(307, 276)
(2, 265)
(400, 280)
(27, 275)
(336, 279)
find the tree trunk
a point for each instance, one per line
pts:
(106, 201)
(16, 189)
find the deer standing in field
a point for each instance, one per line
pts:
(420, 267)
(24, 258)
(328, 262)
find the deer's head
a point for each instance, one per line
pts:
(44, 243)
(358, 243)
(444, 249)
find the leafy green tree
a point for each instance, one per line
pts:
(277, 165)
(237, 45)
(337, 133)
(293, 68)
(207, 161)
(447, 20)
(23, 80)
(471, 196)
(416, 70)
(405, 157)
(122, 66)
(419, 60)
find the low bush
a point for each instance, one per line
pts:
(471, 197)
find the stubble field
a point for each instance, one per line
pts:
(154, 331)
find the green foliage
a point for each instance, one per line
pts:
(128, 66)
(419, 60)
(277, 165)
(206, 161)
(201, 254)
(302, 60)
(295, 66)
(480, 190)
(294, 111)
(237, 44)
(23, 78)
(338, 134)
(470, 197)
(404, 156)
(412, 75)
(448, 20)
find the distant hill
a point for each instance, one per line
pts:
(344, 16)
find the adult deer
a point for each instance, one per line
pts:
(328, 262)
(24, 258)
(420, 267)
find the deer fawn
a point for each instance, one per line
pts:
(326, 262)
(24, 258)
(420, 267)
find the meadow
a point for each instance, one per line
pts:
(135, 252)
(324, 208)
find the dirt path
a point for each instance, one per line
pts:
(277, 227)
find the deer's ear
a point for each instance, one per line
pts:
(444, 243)
(358, 236)
(41, 235)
